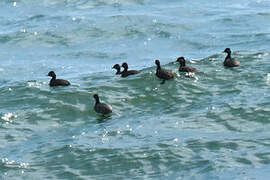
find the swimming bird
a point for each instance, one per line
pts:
(101, 108)
(127, 72)
(57, 82)
(162, 73)
(183, 67)
(117, 67)
(229, 61)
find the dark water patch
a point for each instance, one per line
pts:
(53, 38)
(89, 54)
(128, 160)
(37, 17)
(264, 158)
(14, 37)
(94, 32)
(263, 14)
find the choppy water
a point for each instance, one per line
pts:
(211, 126)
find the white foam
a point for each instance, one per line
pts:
(23, 165)
(268, 78)
(8, 116)
(23, 30)
(34, 84)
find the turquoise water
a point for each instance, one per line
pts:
(214, 125)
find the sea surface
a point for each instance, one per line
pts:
(214, 124)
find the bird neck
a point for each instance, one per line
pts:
(125, 69)
(228, 56)
(158, 67)
(97, 101)
(53, 77)
(118, 71)
(182, 64)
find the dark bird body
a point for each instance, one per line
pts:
(127, 72)
(229, 61)
(101, 108)
(162, 73)
(183, 67)
(57, 82)
(118, 68)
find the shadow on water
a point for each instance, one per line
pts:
(103, 118)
